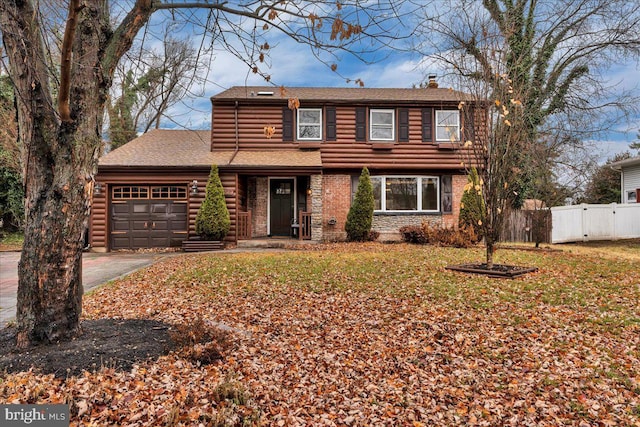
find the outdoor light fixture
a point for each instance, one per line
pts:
(308, 191)
(97, 189)
(194, 187)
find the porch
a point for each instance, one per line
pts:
(300, 229)
(278, 207)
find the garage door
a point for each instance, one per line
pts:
(148, 216)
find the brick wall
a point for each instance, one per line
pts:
(336, 192)
(458, 182)
(257, 195)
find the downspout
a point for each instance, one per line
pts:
(235, 122)
(235, 153)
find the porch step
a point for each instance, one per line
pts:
(270, 243)
(201, 245)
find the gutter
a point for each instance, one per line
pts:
(235, 121)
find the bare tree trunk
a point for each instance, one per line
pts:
(50, 269)
(61, 151)
(489, 255)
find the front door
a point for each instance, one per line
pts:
(281, 201)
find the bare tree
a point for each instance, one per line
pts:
(60, 111)
(535, 62)
(148, 83)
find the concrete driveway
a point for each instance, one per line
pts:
(97, 268)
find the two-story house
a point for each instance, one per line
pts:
(289, 161)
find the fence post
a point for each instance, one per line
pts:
(582, 221)
(613, 221)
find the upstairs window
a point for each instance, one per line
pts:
(447, 125)
(310, 124)
(382, 125)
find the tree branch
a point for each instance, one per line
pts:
(65, 66)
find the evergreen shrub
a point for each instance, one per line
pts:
(360, 217)
(213, 220)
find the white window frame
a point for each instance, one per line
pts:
(372, 124)
(631, 194)
(298, 124)
(383, 195)
(439, 126)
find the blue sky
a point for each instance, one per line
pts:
(291, 64)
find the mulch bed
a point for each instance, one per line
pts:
(498, 270)
(113, 343)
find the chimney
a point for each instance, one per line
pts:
(432, 81)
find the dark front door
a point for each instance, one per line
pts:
(281, 206)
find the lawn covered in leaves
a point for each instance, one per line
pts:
(372, 334)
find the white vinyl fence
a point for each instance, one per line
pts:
(595, 222)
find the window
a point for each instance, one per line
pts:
(310, 123)
(632, 196)
(382, 125)
(168, 192)
(406, 193)
(447, 125)
(401, 194)
(130, 192)
(429, 194)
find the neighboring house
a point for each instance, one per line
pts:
(629, 179)
(289, 168)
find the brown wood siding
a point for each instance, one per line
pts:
(230, 186)
(251, 123)
(98, 227)
(344, 152)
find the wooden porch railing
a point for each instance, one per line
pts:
(305, 226)
(243, 228)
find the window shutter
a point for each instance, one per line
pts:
(427, 124)
(446, 190)
(403, 125)
(361, 123)
(330, 113)
(287, 124)
(468, 124)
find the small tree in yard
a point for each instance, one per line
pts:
(213, 221)
(360, 217)
(472, 204)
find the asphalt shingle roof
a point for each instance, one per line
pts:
(178, 148)
(333, 94)
(165, 147)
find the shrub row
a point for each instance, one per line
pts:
(462, 237)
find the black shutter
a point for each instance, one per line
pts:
(361, 123)
(467, 122)
(403, 125)
(427, 124)
(330, 113)
(287, 124)
(446, 194)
